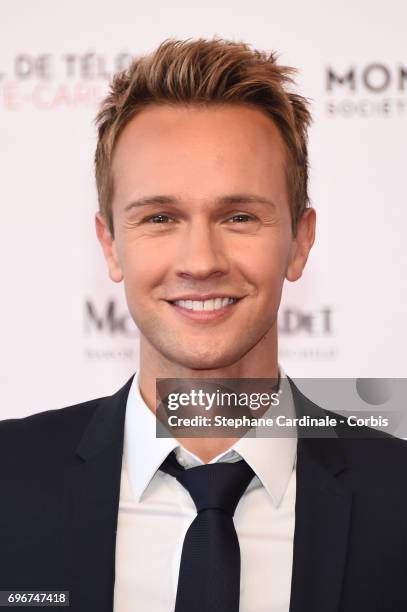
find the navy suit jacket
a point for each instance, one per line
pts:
(59, 495)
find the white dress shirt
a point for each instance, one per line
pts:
(155, 512)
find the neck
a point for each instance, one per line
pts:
(259, 362)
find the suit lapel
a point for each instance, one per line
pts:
(92, 490)
(322, 518)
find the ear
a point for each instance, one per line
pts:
(302, 243)
(109, 248)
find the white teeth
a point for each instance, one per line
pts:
(214, 304)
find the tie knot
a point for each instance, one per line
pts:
(212, 486)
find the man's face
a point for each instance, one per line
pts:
(201, 213)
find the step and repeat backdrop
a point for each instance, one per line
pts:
(66, 335)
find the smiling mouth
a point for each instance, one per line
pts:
(211, 305)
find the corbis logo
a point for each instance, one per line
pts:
(373, 89)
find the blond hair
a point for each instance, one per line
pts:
(206, 72)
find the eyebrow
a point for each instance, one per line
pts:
(238, 198)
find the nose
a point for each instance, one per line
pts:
(201, 251)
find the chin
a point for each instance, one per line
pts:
(201, 360)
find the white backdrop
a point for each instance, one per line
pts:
(65, 332)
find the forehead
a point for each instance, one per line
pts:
(180, 146)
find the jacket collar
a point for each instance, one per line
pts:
(322, 516)
(107, 424)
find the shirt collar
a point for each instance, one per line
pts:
(143, 451)
(272, 459)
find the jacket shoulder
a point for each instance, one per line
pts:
(45, 433)
(378, 458)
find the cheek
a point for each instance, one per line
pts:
(265, 265)
(144, 268)
(137, 256)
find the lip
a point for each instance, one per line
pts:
(205, 315)
(203, 297)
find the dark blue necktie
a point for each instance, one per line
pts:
(209, 576)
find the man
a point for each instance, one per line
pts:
(201, 169)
